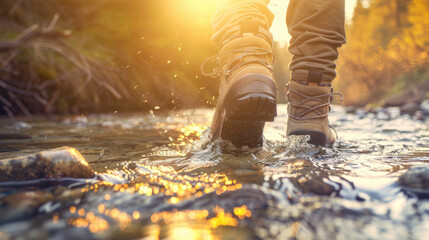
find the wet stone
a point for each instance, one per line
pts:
(410, 108)
(416, 178)
(351, 109)
(315, 185)
(56, 163)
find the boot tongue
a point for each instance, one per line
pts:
(305, 97)
(243, 50)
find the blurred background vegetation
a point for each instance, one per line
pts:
(387, 50)
(80, 56)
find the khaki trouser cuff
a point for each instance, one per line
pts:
(303, 76)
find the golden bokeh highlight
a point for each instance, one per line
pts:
(219, 218)
(161, 180)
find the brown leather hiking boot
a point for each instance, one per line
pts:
(308, 111)
(247, 97)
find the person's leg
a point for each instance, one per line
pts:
(317, 30)
(230, 14)
(247, 96)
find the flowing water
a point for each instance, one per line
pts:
(164, 179)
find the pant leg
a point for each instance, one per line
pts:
(230, 13)
(317, 30)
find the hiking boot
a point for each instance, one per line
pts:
(247, 97)
(308, 111)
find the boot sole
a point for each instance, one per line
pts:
(250, 103)
(316, 138)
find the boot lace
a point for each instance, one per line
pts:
(237, 62)
(316, 108)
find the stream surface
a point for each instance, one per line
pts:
(164, 179)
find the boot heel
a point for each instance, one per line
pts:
(316, 138)
(252, 107)
(251, 103)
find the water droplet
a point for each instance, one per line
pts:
(157, 107)
(169, 61)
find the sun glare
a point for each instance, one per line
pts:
(198, 12)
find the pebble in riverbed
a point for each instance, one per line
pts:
(55, 163)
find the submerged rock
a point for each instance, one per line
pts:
(22, 205)
(55, 163)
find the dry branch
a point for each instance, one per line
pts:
(72, 76)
